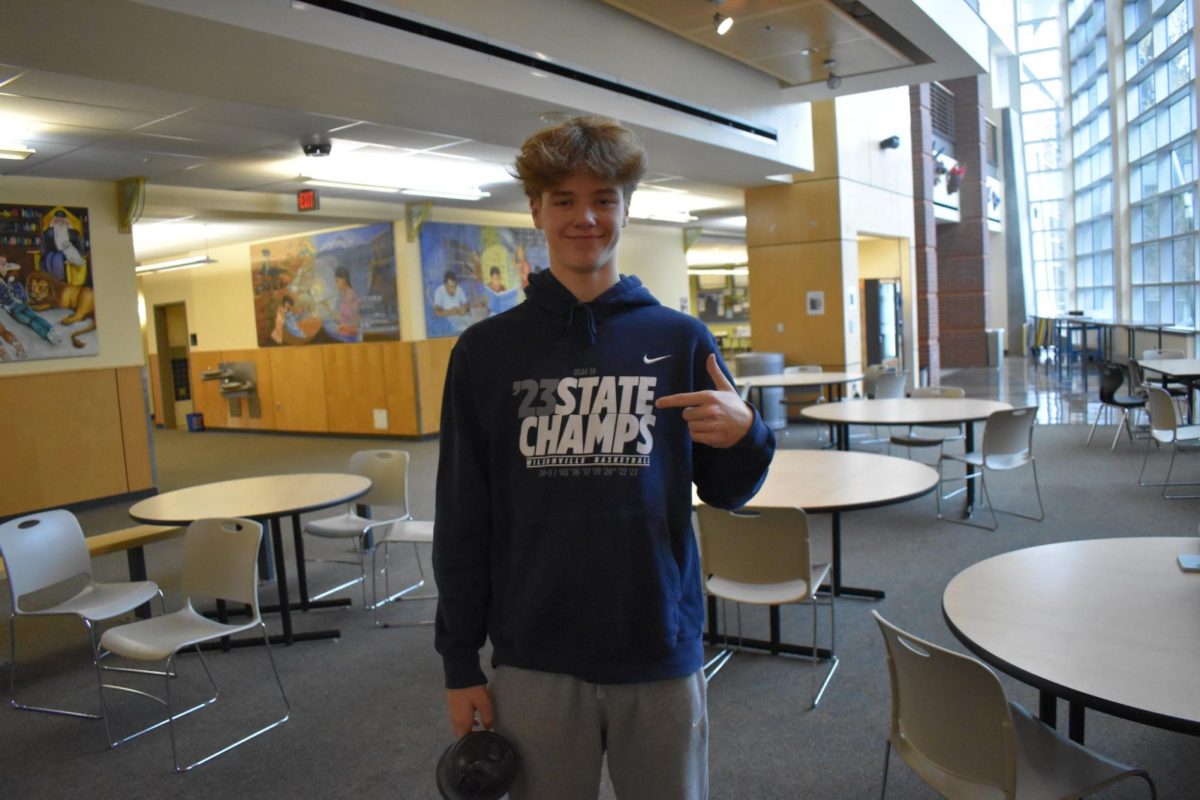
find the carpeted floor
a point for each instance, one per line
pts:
(367, 710)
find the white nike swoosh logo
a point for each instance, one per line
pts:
(649, 360)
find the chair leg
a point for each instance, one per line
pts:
(12, 675)
(248, 737)
(967, 476)
(887, 756)
(1095, 422)
(389, 596)
(817, 694)
(1145, 460)
(1123, 424)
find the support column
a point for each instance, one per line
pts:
(962, 257)
(925, 241)
(795, 243)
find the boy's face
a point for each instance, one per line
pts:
(582, 218)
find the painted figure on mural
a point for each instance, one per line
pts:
(63, 250)
(14, 300)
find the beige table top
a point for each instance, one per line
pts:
(834, 480)
(1182, 367)
(907, 411)
(794, 379)
(258, 497)
(1112, 624)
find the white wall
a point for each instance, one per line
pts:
(876, 198)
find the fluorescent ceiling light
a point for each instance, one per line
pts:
(666, 204)
(477, 195)
(175, 263)
(729, 271)
(365, 187)
(715, 255)
(391, 170)
(15, 152)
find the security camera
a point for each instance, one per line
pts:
(890, 143)
(316, 146)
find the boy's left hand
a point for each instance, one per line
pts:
(716, 417)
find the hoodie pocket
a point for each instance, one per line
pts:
(599, 584)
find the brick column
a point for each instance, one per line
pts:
(926, 232)
(962, 258)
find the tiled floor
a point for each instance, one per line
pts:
(1061, 398)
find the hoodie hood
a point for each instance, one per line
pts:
(549, 295)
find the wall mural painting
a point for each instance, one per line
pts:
(326, 288)
(469, 272)
(47, 306)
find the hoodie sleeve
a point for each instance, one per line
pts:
(729, 477)
(462, 530)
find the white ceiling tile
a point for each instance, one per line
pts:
(74, 89)
(391, 136)
(63, 112)
(229, 138)
(291, 123)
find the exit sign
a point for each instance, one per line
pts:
(308, 200)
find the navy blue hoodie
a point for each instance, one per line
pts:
(563, 528)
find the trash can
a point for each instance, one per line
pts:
(195, 422)
(995, 347)
(769, 400)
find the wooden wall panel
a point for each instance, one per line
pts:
(206, 395)
(432, 361)
(265, 387)
(155, 388)
(799, 212)
(400, 378)
(135, 433)
(62, 440)
(782, 277)
(354, 387)
(298, 386)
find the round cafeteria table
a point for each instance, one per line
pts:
(908, 411)
(1107, 624)
(833, 481)
(264, 498)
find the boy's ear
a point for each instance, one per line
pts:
(535, 208)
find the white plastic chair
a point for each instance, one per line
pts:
(891, 385)
(952, 724)
(388, 471)
(799, 398)
(46, 550)
(1007, 445)
(1166, 430)
(220, 561)
(1178, 391)
(761, 556)
(930, 436)
(870, 377)
(409, 531)
(1163, 352)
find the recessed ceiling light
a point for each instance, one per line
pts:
(15, 152)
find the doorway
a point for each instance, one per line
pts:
(174, 364)
(883, 321)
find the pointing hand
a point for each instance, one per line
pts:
(717, 417)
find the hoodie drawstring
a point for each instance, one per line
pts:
(587, 320)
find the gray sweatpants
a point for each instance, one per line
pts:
(655, 735)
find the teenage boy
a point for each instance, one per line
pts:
(573, 427)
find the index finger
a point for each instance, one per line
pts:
(718, 377)
(681, 400)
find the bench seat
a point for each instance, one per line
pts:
(126, 539)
